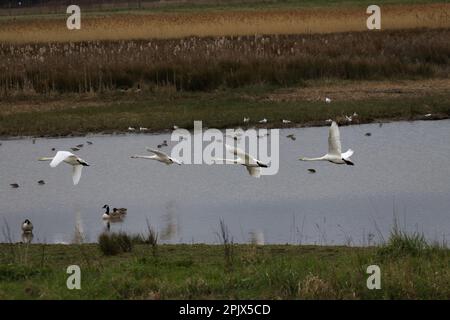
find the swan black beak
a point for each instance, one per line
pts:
(262, 165)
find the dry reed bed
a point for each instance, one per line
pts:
(225, 23)
(208, 63)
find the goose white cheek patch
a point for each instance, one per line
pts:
(207, 146)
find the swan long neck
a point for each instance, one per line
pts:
(313, 159)
(142, 157)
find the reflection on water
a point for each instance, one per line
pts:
(401, 170)
(27, 237)
(78, 236)
(170, 224)
(257, 237)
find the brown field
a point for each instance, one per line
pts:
(205, 64)
(177, 25)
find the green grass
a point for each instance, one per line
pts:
(219, 109)
(202, 271)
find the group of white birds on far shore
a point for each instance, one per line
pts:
(252, 164)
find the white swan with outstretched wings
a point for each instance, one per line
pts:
(158, 156)
(334, 154)
(65, 156)
(252, 164)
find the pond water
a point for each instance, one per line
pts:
(401, 173)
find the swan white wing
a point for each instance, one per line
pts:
(254, 171)
(347, 154)
(227, 161)
(162, 155)
(241, 154)
(334, 140)
(76, 174)
(60, 157)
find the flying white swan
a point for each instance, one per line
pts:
(334, 154)
(65, 156)
(252, 164)
(158, 156)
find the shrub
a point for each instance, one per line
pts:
(114, 243)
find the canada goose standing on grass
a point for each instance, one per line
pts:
(334, 154)
(27, 226)
(65, 156)
(158, 156)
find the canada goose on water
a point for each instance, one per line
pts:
(89, 142)
(41, 182)
(312, 170)
(80, 146)
(75, 149)
(115, 214)
(27, 226)
(14, 185)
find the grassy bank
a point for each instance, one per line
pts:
(161, 110)
(409, 270)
